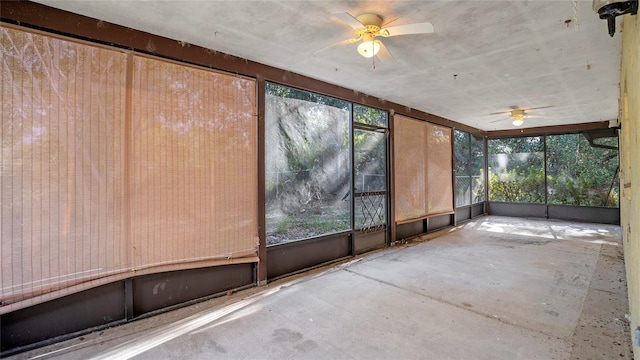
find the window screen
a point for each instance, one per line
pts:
(516, 169)
(308, 165)
(581, 174)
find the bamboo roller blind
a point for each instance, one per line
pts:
(440, 170)
(423, 169)
(115, 164)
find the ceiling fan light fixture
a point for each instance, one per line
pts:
(369, 47)
(518, 116)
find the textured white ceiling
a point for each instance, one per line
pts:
(484, 57)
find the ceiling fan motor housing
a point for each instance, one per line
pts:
(372, 22)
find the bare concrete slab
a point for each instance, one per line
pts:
(509, 269)
(494, 288)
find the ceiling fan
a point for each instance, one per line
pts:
(368, 27)
(518, 114)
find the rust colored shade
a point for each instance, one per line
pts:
(63, 124)
(423, 169)
(440, 171)
(410, 168)
(115, 164)
(193, 165)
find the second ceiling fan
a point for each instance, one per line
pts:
(518, 114)
(369, 26)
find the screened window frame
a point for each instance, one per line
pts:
(467, 136)
(581, 136)
(349, 122)
(545, 167)
(483, 168)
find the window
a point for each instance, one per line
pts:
(476, 167)
(370, 167)
(369, 116)
(462, 152)
(307, 164)
(516, 168)
(580, 174)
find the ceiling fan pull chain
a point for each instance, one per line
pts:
(373, 58)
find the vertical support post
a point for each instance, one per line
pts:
(128, 299)
(544, 158)
(486, 175)
(391, 180)
(353, 181)
(454, 176)
(470, 174)
(261, 275)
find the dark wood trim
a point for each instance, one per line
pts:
(586, 214)
(291, 258)
(454, 172)
(391, 200)
(547, 130)
(486, 175)
(517, 209)
(158, 292)
(62, 318)
(462, 214)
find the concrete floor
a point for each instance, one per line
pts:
(494, 288)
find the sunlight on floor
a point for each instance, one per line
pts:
(192, 324)
(590, 233)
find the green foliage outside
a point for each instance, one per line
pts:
(523, 185)
(308, 162)
(308, 166)
(580, 174)
(468, 153)
(577, 173)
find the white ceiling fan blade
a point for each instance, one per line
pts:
(515, 107)
(538, 107)
(384, 53)
(349, 20)
(336, 45)
(418, 28)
